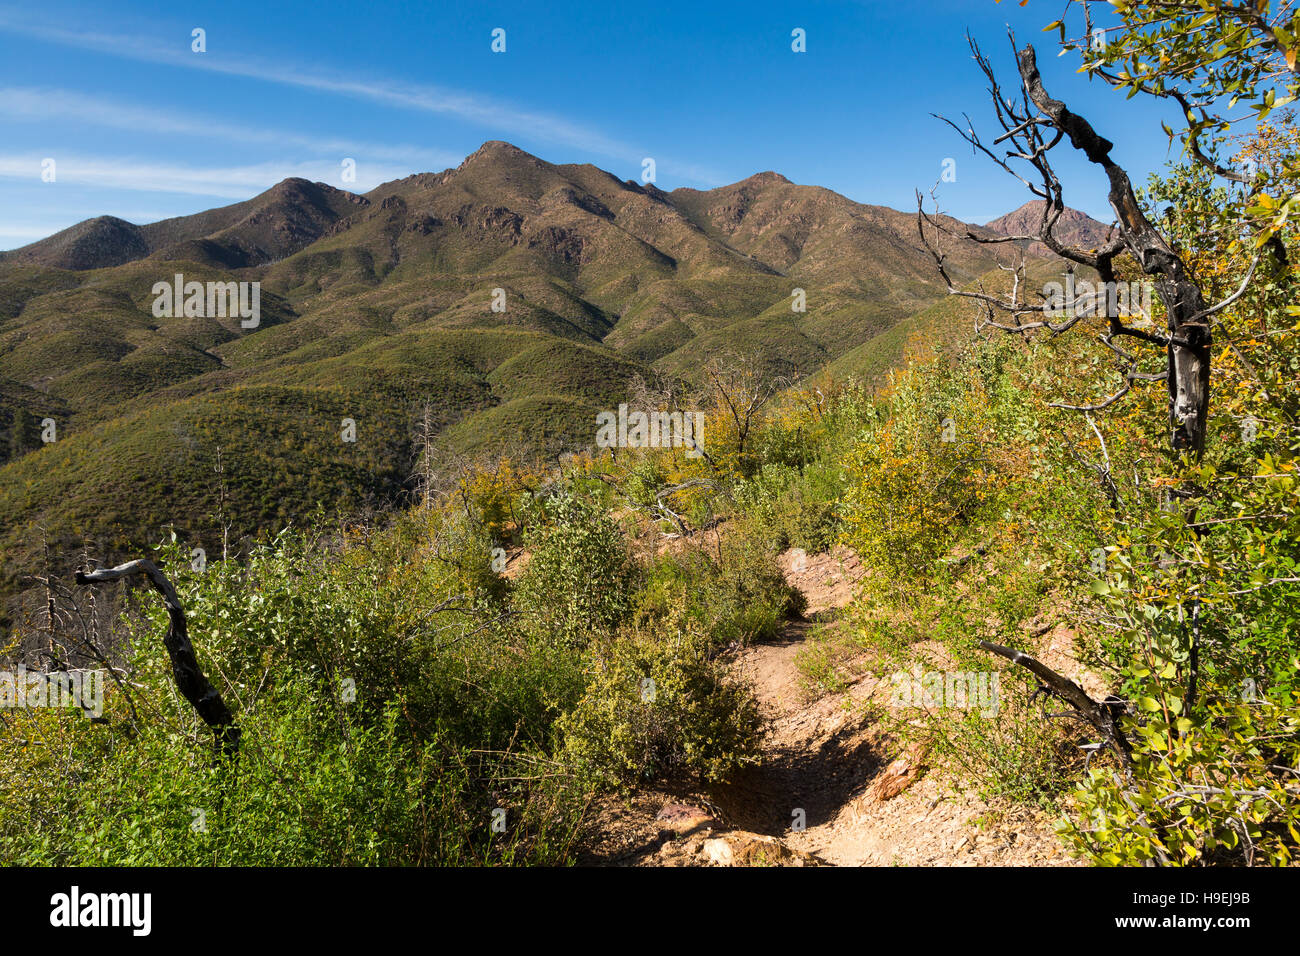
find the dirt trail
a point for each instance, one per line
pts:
(814, 800)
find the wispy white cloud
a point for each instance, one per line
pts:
(13, 235)
(228, 182)
(44, 105)
(479, 110)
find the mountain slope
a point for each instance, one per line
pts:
(513, 297)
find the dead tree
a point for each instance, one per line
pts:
(426, 436)
(1103, 715)
(1033, 124)
(741, 386)
(190, 680)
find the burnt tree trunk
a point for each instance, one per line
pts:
(1103, 715)
(1188, 342)
(190, 680)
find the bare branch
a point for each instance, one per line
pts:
(190, 680)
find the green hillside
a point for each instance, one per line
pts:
(374, 307)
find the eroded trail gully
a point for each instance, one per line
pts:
(832, 788)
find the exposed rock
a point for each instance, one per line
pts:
(742, 848)
(683, 818)
(561, 243)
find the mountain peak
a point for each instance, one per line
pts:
(496, 149)
(297, 189)
(91, 244)
(768, 178)
(1072, 227)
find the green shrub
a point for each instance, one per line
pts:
(386, 711)
(578, 581)
(1218, 791)
(791, 507)
(658, 704)
(312, 786)
(733, 593)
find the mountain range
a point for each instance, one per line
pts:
(513, 297)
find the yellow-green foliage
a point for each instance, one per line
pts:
(658, 703)
(578, 580)
(922, 469)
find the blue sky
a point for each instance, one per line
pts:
(142, 127)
